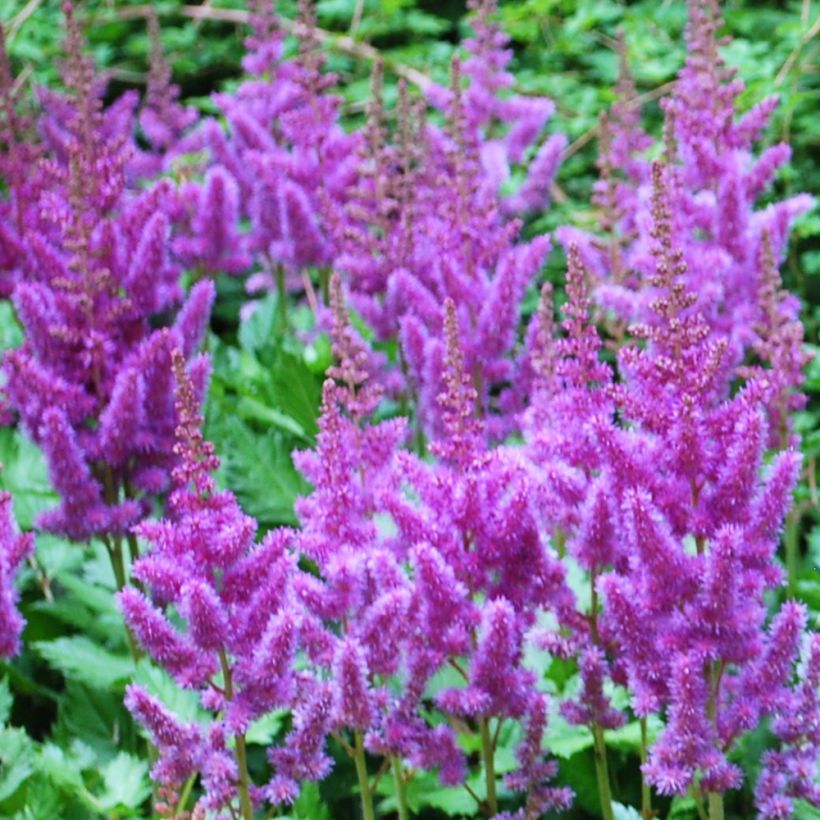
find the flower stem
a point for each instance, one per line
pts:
(602, 773)
(185, 794)
(715, 799)
(488, 753)
(114, 548)
(282, 298)
(240, 751)
(401, 789)
(715, 806)
(361, 771)
(646, 794)
(792, 544)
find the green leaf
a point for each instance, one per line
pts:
(264, 730)
(42, 800)
(25, 476)
(65, 774)
(157, 682)
(79, 658)
(627, 738)
(259, 329)
(6, 700)
(260, 471)
(683, 808)
(453, 801)
(566, 740)
(11, 334)
(622, 812)
(257, 411)
(16, 760)
(59, 558)
(125, 780)
(805, 811)
(309, 805)
(99, 718)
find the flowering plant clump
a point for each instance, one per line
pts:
(475, 544)
(91, 381)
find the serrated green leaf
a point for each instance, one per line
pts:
(565, 740)
(309, 805)
(99, 718)
(805, 811)
(65, 774)
(11, 334)
(80, 659)
(58, 557)
(125, 780)
(259, 330)
(25, 476)
(683, 808)
(263, 731)
(182, 702)
(42, 800)
(254, 410)
(16, 760)
(260, 471)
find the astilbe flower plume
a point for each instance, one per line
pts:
(683, 608)
(15, 548)
(483, 574)
(241, 620)
(20, 170)
(360, 616)
(715, 180)
(428, 223)
(791, 772)
(284, 163)
(163, 119)
(92, 380)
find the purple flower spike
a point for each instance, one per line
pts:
(15, 548)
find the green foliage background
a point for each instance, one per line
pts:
(67, 747)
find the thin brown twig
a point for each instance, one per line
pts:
(21, 17)
(787, 66)
(340, 42)
(591, 133)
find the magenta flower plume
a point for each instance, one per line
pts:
(593, 706)
(688, 744)
(718, 179)
(285, 164)
(534, 775)
(213, 242)
(240, 630)
(497, 685)
(162, 118)
(15, 547)
(92, 381)
(20, 168)
(790, 772)
(178, 743)
(427, 224)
